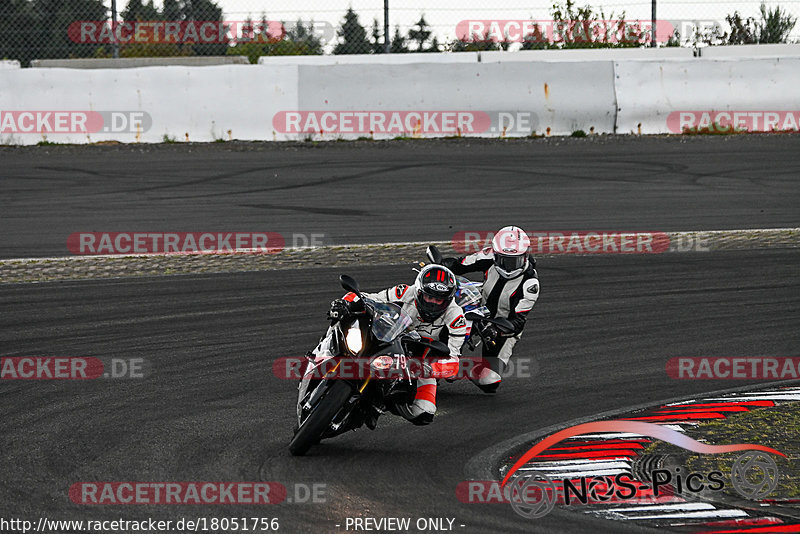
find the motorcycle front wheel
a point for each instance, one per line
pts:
(320, 417)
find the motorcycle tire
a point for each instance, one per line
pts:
(320, 417)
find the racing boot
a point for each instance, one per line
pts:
(488, 376)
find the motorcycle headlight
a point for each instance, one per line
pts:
(353, 338)
(381, 363)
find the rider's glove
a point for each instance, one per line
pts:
(449, 262)
(491, 335)
(342, 310)
(339, 310)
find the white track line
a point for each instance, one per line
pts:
(687, 506)
(576, 464)
(711, 514)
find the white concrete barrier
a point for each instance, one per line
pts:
(204, 102)
(370, 59)
(134, 62)
(749, 51)
(493, 56)
(652, 94)
(580, 54)
(561, 97)
(298, 98)
(9, 64)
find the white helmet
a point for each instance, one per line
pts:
(510, 246)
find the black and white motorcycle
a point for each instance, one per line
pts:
(360, 368)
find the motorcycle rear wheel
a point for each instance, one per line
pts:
(320, 417)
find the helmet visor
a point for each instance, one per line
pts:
(431, 306)
(432, 301)
(509, 263)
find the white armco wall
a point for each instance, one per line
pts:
(611, 91)
(204, 102)
(648, 92)
(578, 95)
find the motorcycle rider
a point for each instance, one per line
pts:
(435, 316)
(510, 289)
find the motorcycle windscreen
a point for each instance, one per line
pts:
(468, 295)
(389, 320)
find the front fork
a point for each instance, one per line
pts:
(365, 384)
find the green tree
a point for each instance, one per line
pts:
(536, 40)
(50, 38)
(377, 38)
(398, 44)
(674, 40)
(171, 10)
(743, 31)
(485, 43)
(582, 27)
(303, 38)
(149, 50)
(435, 46)
(419, 34)
(352, 35)
(204, 10)
(299, 39)
(776, 25)
(136, 10)
(17, 30)
(573, 27)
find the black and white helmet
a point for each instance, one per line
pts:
(435, 286)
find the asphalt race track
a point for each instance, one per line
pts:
(373, 192)
(210, 408)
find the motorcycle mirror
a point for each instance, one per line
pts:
(433, 254)
(349, 283)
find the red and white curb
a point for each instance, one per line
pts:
(613, 453)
